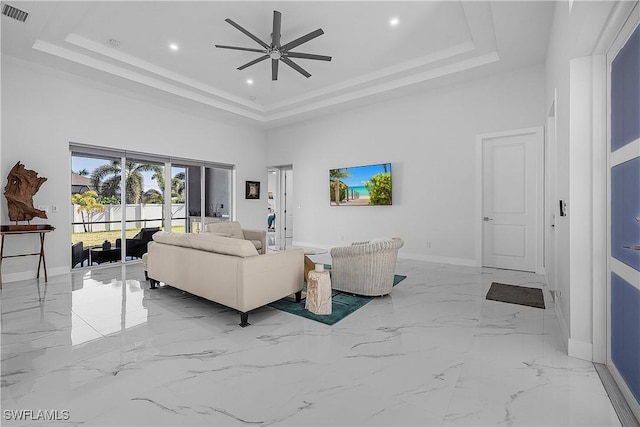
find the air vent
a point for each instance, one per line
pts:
(14, 13)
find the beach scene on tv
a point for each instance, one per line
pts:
(360, 185)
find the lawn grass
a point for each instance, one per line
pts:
(96, 238)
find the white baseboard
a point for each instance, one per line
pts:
(575, 348)
(314, 245)
(580, 349)
(405, 255)
(562, 322)
(29, 275)
(439, 259)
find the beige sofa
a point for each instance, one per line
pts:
(226, 270)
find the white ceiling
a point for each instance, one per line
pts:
(434, 41)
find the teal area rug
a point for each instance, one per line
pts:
(342, 305)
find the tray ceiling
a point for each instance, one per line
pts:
(128, 44)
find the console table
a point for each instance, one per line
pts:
(40, 229)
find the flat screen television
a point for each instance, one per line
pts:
(368, 185)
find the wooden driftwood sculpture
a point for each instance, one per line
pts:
(22, 185)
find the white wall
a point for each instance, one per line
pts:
(430, 139)
(43, 110)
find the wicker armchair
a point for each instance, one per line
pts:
(365, 268)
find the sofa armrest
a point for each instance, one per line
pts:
(267, 278)
(261, 235)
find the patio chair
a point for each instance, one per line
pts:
(137, 245)
(79, 254)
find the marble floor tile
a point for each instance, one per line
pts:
(103, 347)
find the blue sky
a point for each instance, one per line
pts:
(362, 174)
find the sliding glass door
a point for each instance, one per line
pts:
(96, 207)
(120, 199)
(144, 207)
(209, 189)
(623, 288)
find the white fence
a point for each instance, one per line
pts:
(137, 216)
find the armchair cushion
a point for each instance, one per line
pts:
(230, 228)
(234, 230)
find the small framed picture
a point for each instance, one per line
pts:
(252, 190)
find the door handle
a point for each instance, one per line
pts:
(486, 218)
(632, 248)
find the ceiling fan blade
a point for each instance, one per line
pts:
(295, 66)
(308, 56)
(297, 42)
(260, 42)
(277, 24)
(255, 61)
(241, 48)
(274, 69)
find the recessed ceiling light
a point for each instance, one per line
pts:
(174, 47)
(249, 81)
(253, 98)
(394, 22)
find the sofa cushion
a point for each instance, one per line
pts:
(209, 242)
(223, 245)
(222, 234)
(175, 239)
(232, 228)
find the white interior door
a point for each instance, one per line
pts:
(510, 199)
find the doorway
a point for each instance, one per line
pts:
(511, 200)
(279, 207)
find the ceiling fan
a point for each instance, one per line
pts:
(276, 51)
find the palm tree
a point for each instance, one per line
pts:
(87, 202)
(153, 197)
(106, 179)
(178, 185)
(335, 175)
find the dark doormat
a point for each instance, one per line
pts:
(531, 297)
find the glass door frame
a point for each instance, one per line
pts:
(615, 158)
(76, 149)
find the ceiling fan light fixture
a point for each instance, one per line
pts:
(275, 54)
(275, 51)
